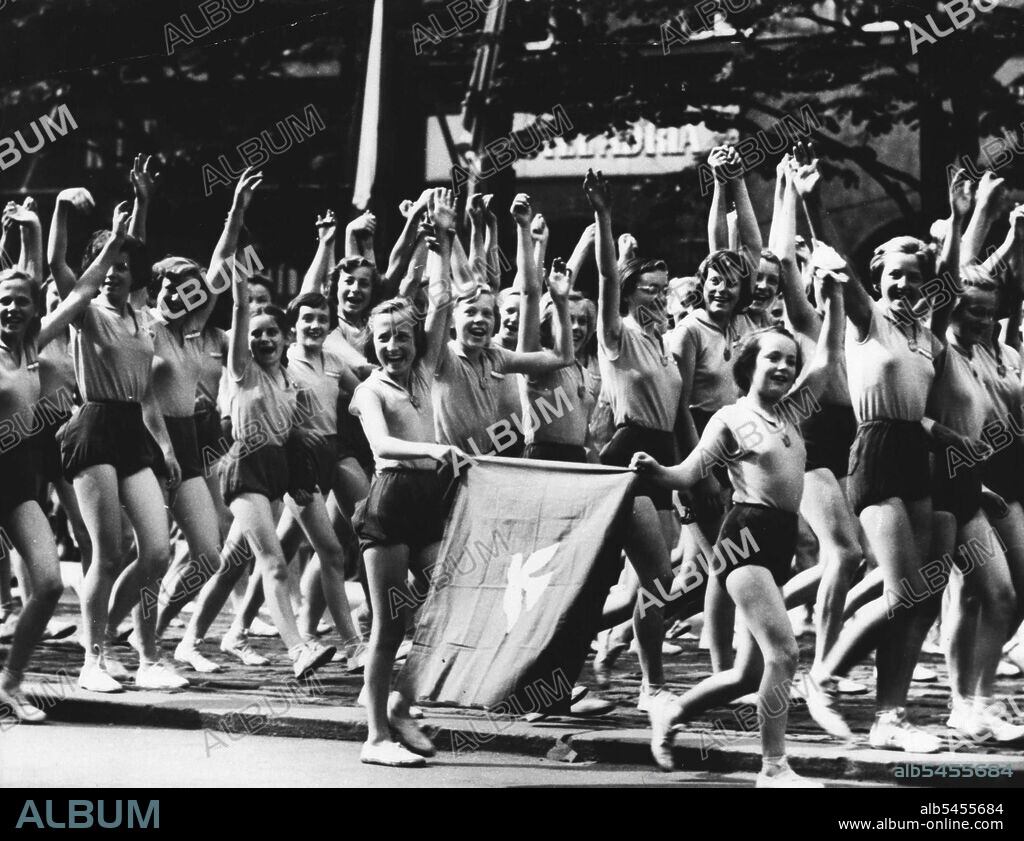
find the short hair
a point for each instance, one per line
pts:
(731, 264)
(36, 293)
(133, 248)
(275, 313)
(746, 359)
(179, 269)
(263, 280)
(630, 273)
(770, 257)
(505, 294)
(402, 307)
(313, 300)
(978, 277)
(900, 245)
(475, 293)
(348, 266)
(547, 314)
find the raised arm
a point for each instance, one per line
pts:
(144, 184)
(543, 360)
(541, 234)
(441, 210)
(238, 346)
(609, 320)
(88, 285)
(750, 243)
(477, 234)
(227, 245)
(718, 226)
(359, 237)
(527, 279)
(57, 247)
(987, 204)
(405, 245)
(315, 279)
(1014, 288)
(31, 260)
(491, 247)
(584, 248)
(948, 266)
(798, 309)
(781, 180)
(828, 354)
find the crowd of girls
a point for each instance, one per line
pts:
(776, 400)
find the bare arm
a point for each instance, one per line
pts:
(144, 183)
(315, 279)
(541, 234)
(238, 350)
(986, 207)
(714, 443)
(366, 406)
(527, 280)
(57, 246)
(948, 266)
(609, 320)
(543, 361)
(31, 261)
(87, 286)
(718, 225)
(359, 237)
(799, 310)
(750, 243)
(584, 248)
(491, 247)
(828, 354)
(441, 208)
(402, 252)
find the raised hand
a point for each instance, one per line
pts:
(365, 223)
(539, 230)
(559, 280)
(20, 214)
(960, 194)
(719, 159)
(806, 175)
(476, 210)
(119, 226)
(143, 178)
(598, 192)
(405, 207)
(521, 210)
(442, 209)
(1017, 223)
(990, 189)
(490, 218)
(246, 186)
(79, 198)
(327, 226)
(627, 247)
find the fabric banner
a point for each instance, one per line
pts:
(529, 553)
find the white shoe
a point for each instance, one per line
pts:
(189, 655)
(407, 731)
(964, 719)
(892, 731)
(309, 657)
(259, 628)
(20, 707)
(113, 666)
(391, 754)
(238, 646)
(785, 777)
(1007, 668)
(923, 674)
(819, 705)
(158, 676)
(662, 714)
(645, 698)
(93, 678)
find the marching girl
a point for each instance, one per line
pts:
(106, 451)
(21, 338)
(765, 455)
(259, 471)
(644, 388)
(177, 364)
(400, 525)
(981, 618)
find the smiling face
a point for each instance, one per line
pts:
(901, 282)
(974, 316)
(17, 308)
(394, 340)
(259, 296)
(474, 321)
(579, 318)
(649, 302)
(354, 290)
(508, 311)
(721, 293)
(266, 341)
(117, 284)
(766, 286)
(775, 367)
(311, 327)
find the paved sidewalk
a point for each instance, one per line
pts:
(241, 700)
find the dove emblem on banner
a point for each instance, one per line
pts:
(525, 586)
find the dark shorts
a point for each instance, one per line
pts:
(404, 507)
(629, 440)
(1004, 472)
(48, 462)
(352, 441)
(828, 436)
(959, 495)
(264, 471)
(316, 468)
(765, 536)
(19, 476)
(889, 458)
(209, 433)
(185, 443)
(542, 451)
(106, 433)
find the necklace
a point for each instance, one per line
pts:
(912, 339)
(775, 426)
(968, 355)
